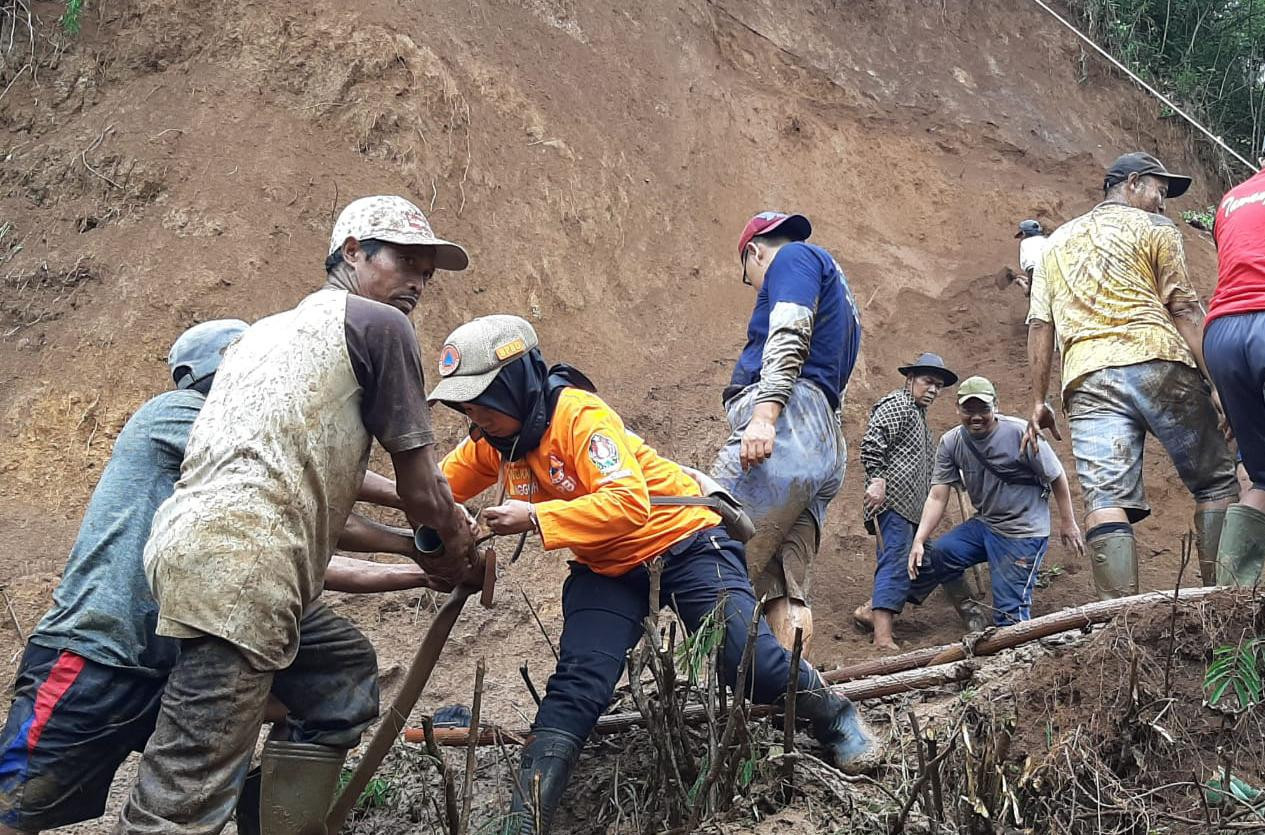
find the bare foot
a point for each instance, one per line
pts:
(863, 617)
(888, 645)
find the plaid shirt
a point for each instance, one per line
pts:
(897, 447)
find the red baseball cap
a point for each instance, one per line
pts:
(795, 227)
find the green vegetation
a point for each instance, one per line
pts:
(70, 19)
(1235, 669)
(1207, 55)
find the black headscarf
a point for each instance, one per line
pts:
(527, 390)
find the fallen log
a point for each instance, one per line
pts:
(857, 691)
(995, 640)
(914, 670)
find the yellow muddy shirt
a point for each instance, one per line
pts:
(1105, 283)
(274, 463)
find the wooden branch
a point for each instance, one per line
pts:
(877, 688)
(1008, 637)
(472, 745)
(936, 665)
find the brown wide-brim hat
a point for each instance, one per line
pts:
(933, 363)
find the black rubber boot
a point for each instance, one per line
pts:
(967, 607)
(544, 768)
(839, 727)
(247, 813)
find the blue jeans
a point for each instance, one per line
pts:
(603, 616)
(891, 575)
(1234, 348)
(1012, 564)
(1110, 413)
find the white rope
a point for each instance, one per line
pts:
(1104, 53)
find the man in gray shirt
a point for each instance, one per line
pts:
(1011, 492)
(87, 691)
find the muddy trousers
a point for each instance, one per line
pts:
(1012, 565)
(196, 761)
(603, 619)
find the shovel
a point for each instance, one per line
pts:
(418, 674)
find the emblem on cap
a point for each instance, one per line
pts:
(449, 359)
(511, 349)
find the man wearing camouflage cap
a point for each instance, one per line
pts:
(274, 464)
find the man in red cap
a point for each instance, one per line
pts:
(785, 456)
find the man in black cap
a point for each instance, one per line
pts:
(897, 454)
(1032, 242)
(1113, 287)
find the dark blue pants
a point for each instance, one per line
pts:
(1012, 565)
(603, 616)
(1234, 348)
(891, 575)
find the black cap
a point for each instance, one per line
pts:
(1140, 162)
(932, 364)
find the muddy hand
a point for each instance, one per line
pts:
(875, 495)
(512, 517)
(757, 443)
(1042, 418)
(915, 559)
(1070, 535)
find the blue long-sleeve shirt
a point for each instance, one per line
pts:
(807, 276)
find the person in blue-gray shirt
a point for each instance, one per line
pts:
(785, 456)
(88, 688)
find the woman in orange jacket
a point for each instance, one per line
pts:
(574, 475)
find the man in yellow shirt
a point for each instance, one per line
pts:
(574, 475)
(1113, 288)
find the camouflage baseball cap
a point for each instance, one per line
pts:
(474, 353)
(386, 217)
(978, 388)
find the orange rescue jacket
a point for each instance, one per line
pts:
(591, 481)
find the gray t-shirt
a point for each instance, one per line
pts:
(103, 609)
(1010, 510)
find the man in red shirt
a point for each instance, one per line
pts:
(1234, 348)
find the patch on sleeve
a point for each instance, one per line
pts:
(604, 454)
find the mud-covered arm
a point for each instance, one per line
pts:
(355, 576)
(785, 350)
(361, 534)
(793, 284)
(380, 490)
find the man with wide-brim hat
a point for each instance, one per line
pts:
(897, 454)
(785, 456)
(1113, 288)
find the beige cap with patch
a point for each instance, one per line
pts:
(475, 353)
(386, 217)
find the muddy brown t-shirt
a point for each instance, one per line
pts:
(385, 358)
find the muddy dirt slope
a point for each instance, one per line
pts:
(178, 162)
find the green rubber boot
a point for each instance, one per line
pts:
(1242, 547)
(968, 609)
(299, 781)
(1208, 526)
(1115, 561)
